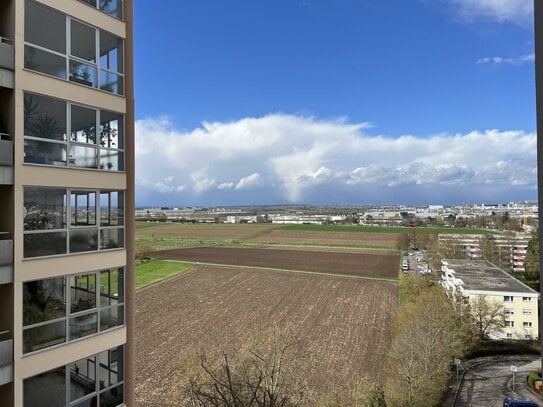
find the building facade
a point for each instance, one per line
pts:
(469, 279)
(66, 203)
(512, 247)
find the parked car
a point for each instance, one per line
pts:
(518, 402)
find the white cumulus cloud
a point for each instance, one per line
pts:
(523, 59)
(515, 11)
(287, 158)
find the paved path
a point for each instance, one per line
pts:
(488, 381)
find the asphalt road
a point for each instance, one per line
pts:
(487, 384)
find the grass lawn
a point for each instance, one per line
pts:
(385, 229)
(151, 271)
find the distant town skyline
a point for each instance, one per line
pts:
(324, 102)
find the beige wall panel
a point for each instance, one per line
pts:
(88, 14)
(59, 88)
(37, 175)
(33, 269)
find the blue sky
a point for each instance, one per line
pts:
(330, 102)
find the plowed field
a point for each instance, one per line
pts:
(280, 236)
(344, 321)
(355, 264)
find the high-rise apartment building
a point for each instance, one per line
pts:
(66, 203)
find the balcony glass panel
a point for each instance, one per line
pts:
(83, 240)
(44, 244)
(82, 73)
(111, 130)
(42, 152)
(111, 82)
(82, 292)
(44, 117)
(83, 157)
(111, 238)
(83, 41)
(111, 52)
(112, 160)
(83, 208)
(111, 287)
(45, 27)
(110, 367)
(50, 386)
(111, 208)
(44, 208)
(112, 397)
(83, 122)
(111, 317)
(112, 7)
(44, 336)
(43, 300)
(83, 325)
(45, 62)
(82, 379)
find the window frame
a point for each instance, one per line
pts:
(97, 7)
(98, 391)
(68, 143)
(68, 57)
(68, 228)
(69, 315)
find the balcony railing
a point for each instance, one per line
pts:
(6, 260)
(6, 358)
(7, 63)
(6, 159)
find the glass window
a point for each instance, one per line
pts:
(111, 208)
(83, 73)
(112, 7)
(83, 123)
(83, 41)
(111, 130)
(82, 208)
(111, 82)
(111, 52)
(76, 384)
(82, 293)
(82, 378)
(83, 240)
(43, 152)
(43, 336)
(44, 208)
(83, 325)
(50, 386)
(44, 61)
(43, 300)
(111, 317)
(111, 287)
(83, 157)
(111, 238)
(112, 160)
(45, 27)
(110, 368)
(44, 244)
(44, 117)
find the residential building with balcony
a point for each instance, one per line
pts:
(66, 203)
(469, 279)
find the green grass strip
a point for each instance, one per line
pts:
(152, 271)
(389, 229)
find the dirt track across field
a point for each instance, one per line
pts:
(344, 323)
(353, 264)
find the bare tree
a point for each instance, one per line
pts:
(486, 316)
(265, 375)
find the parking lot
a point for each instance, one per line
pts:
(414, 261)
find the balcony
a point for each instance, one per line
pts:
(6, 259)
(6, 159)
(6, 358)
(7, 64)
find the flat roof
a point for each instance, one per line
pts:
(481, 275)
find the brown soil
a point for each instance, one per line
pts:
(345, 324)
(355, 264)
(327, 238)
